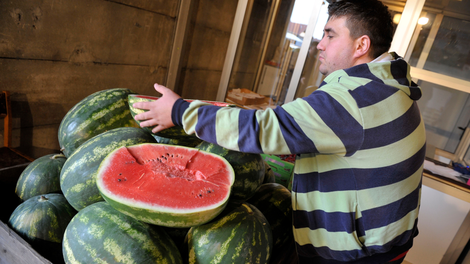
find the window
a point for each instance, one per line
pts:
(440, 58)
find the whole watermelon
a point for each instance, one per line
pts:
(241, 235)
(178, 235)
(95, 114)
(101, 234)
(269, 176)
(78, 175)
(275, 202)
(41, 176)
(249, 170)
(41, 220)
(43, 217)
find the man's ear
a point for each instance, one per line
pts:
(362, 46)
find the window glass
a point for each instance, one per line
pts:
(271, 38)
(443, 46)
(446, 113)
(311, 78)
(440, 44)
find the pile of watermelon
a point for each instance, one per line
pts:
(118, 193)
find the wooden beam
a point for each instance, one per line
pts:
(6, 119)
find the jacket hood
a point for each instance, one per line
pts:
(395, 73)
(398, 72)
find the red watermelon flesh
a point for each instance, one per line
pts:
(166, 183)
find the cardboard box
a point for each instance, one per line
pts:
(244, 96)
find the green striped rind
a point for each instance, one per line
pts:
(269, 176)
(100, 234)
(78, 175)
(168, 217)
(241, 236)
(43, 217)
(42, 176)
(275, 202)
(95, 114)
(184, 141)
(165, 218)
(178, 235)
(249, 170)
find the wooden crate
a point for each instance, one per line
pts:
(13, 248)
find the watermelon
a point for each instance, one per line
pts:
(275, 202)
(242, 235)
(178, 235)
(78, 175)
(172, 132)
(41, 176)
(288, 254)
(269, 176)
(100, 234)
(183, 141)
(42, 217)
(166, 185)
(41, 221)
(93, 115)
(249, 170)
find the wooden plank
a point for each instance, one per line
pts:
(208, 48)
(44, 138)
(85, 31)
(55, 53)
(42, 92)
(166, 7)
(217, 14)
(14, 250)
(201, 84)
(5, 114)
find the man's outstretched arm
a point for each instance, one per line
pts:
(159, 111)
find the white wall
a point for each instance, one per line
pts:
(441, 216)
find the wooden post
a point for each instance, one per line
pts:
(7, 118)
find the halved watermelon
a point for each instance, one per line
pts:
(166, 185)
(172, 132)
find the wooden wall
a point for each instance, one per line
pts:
(53, 53)
(206, 48)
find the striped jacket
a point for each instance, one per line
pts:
(360, 145)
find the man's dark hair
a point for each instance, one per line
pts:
(366, 17)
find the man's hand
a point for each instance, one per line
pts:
(159, 111)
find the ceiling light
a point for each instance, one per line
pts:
(423, 20)
(396, 18)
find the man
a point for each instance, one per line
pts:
(359, 140)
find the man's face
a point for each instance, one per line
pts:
(336, 47)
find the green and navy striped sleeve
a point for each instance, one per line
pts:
(323, 122)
